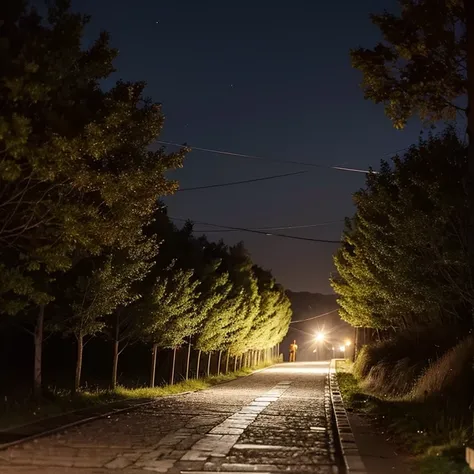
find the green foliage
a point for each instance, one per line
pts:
(245, 289)
(218, 309)
(82, 230)
(77, 174)
(169, 314)
(271, 324)
(419, 68)
(403, 261)
(98, 286)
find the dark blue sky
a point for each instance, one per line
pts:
(262, 78)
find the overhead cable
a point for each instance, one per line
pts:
(314, 317)
(234, 183)
(255, 157)
(287, 227)
(242, 229)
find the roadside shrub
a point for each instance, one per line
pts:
(393, 366)
(392, 379)
(450, 376)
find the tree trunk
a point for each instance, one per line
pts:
(80, 349)
(356, 343)
(154, 352)
(227, 363)
(173, 366)
(116, 352)
(240, 361)
(219, 360)
(198, 363)
(278, 352)
(187, 361)
(37, 383)
(209, 364)
(235, 363)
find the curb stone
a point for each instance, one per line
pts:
(350, 452)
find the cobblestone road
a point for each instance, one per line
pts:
(275, 420)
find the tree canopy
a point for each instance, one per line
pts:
(85, 241)
(77, 175)
(403, 261)
(420, 66)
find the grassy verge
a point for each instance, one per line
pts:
(58, 402)
(437, 443)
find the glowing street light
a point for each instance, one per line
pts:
(342, 348)
(348, 342)
(320, 336)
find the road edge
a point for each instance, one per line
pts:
(131, 407)
(350, 452)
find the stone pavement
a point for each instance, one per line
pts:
(273, 421)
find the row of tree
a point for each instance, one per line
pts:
(404, 259)
(407, 254)
(85, 245)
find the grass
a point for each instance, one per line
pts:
(58, 402)
(438, 442)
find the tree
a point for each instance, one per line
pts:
(99, 286)
(403, 262)
(419, 68)
(219, 308)
(168, 312)
(425, 66)
(245, 285)
(271, 324)
(77, 175)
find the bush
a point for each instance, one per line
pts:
(450, 376)
(392, 367)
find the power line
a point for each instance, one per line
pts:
(242, 229)
(275, 160)
(234, 183)
(314, 317)
(305, 226)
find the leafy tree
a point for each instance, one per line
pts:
(245, 285)
(425, 66)
(102, 285)
(420, 66)
(271, 324)
(77, 175)
(167, 314)
(403, 261)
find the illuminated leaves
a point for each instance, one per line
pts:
(403, 261)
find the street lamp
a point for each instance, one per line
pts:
(347, 342)
(320, 336)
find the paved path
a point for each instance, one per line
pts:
(275, 420)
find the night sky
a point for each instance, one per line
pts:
(263, 78)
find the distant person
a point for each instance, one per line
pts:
(293, 349)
